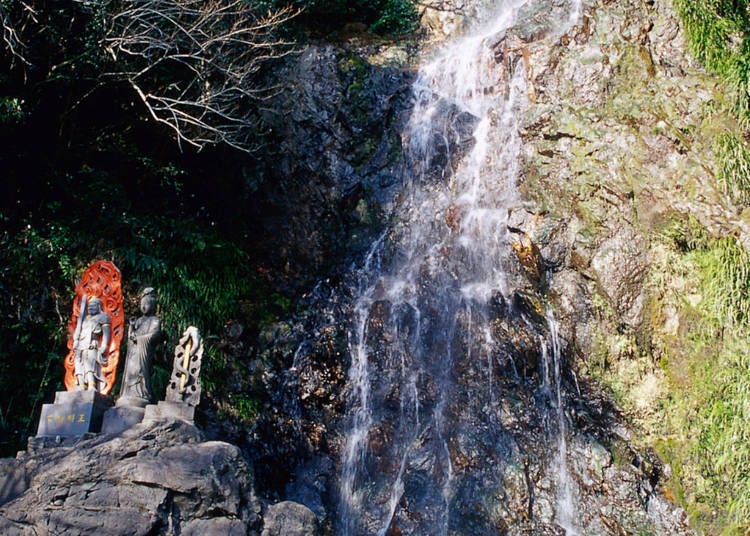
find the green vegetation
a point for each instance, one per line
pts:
(89, 115)
(684, 377)
(88, 174)
(718, 35)
(706, 437)
(733, 157)
(201, 276)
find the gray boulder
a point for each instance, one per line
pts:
(290, 519)
(152, 479)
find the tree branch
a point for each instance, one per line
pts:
(195, 64)
(10, 34)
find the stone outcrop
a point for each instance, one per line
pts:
(158, 479)
(612, 149)
(618, 145)
(331, 166)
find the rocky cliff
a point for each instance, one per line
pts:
(619, 139)
(614, 106)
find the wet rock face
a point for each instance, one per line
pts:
(620, 264)
(602, 154)
(605, 158)
(330, 168)
(150, 480)
(302, 370)
(496, 419)
(615, 146)
(497, 433)
(575, 235)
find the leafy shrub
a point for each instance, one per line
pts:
(200, 274)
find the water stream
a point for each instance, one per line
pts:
(553, 361)
(430, 287)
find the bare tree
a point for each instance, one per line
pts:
(195, 63)
(10, 27)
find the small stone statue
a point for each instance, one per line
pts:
(144, 333)
(184, 385)
(91, 344)
(103, 280)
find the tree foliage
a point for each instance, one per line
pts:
(196, 66)
(93, 94)
(86, 175)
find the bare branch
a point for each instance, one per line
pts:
(10, 31)
(195, 63)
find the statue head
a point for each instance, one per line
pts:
(93, 306)
(148, 301)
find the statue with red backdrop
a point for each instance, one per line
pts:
(95, 332)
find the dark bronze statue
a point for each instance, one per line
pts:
(144, 333)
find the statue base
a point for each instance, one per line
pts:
(169, 410)
(131, 402)
(120, 418)
(73, 414)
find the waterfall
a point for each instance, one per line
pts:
(430, 288)
(552, 362)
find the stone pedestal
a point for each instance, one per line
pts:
(120, 418)
(169, 410)
(131, 402)
(73, 414)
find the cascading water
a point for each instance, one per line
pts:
(429, 295)
(552, 380)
